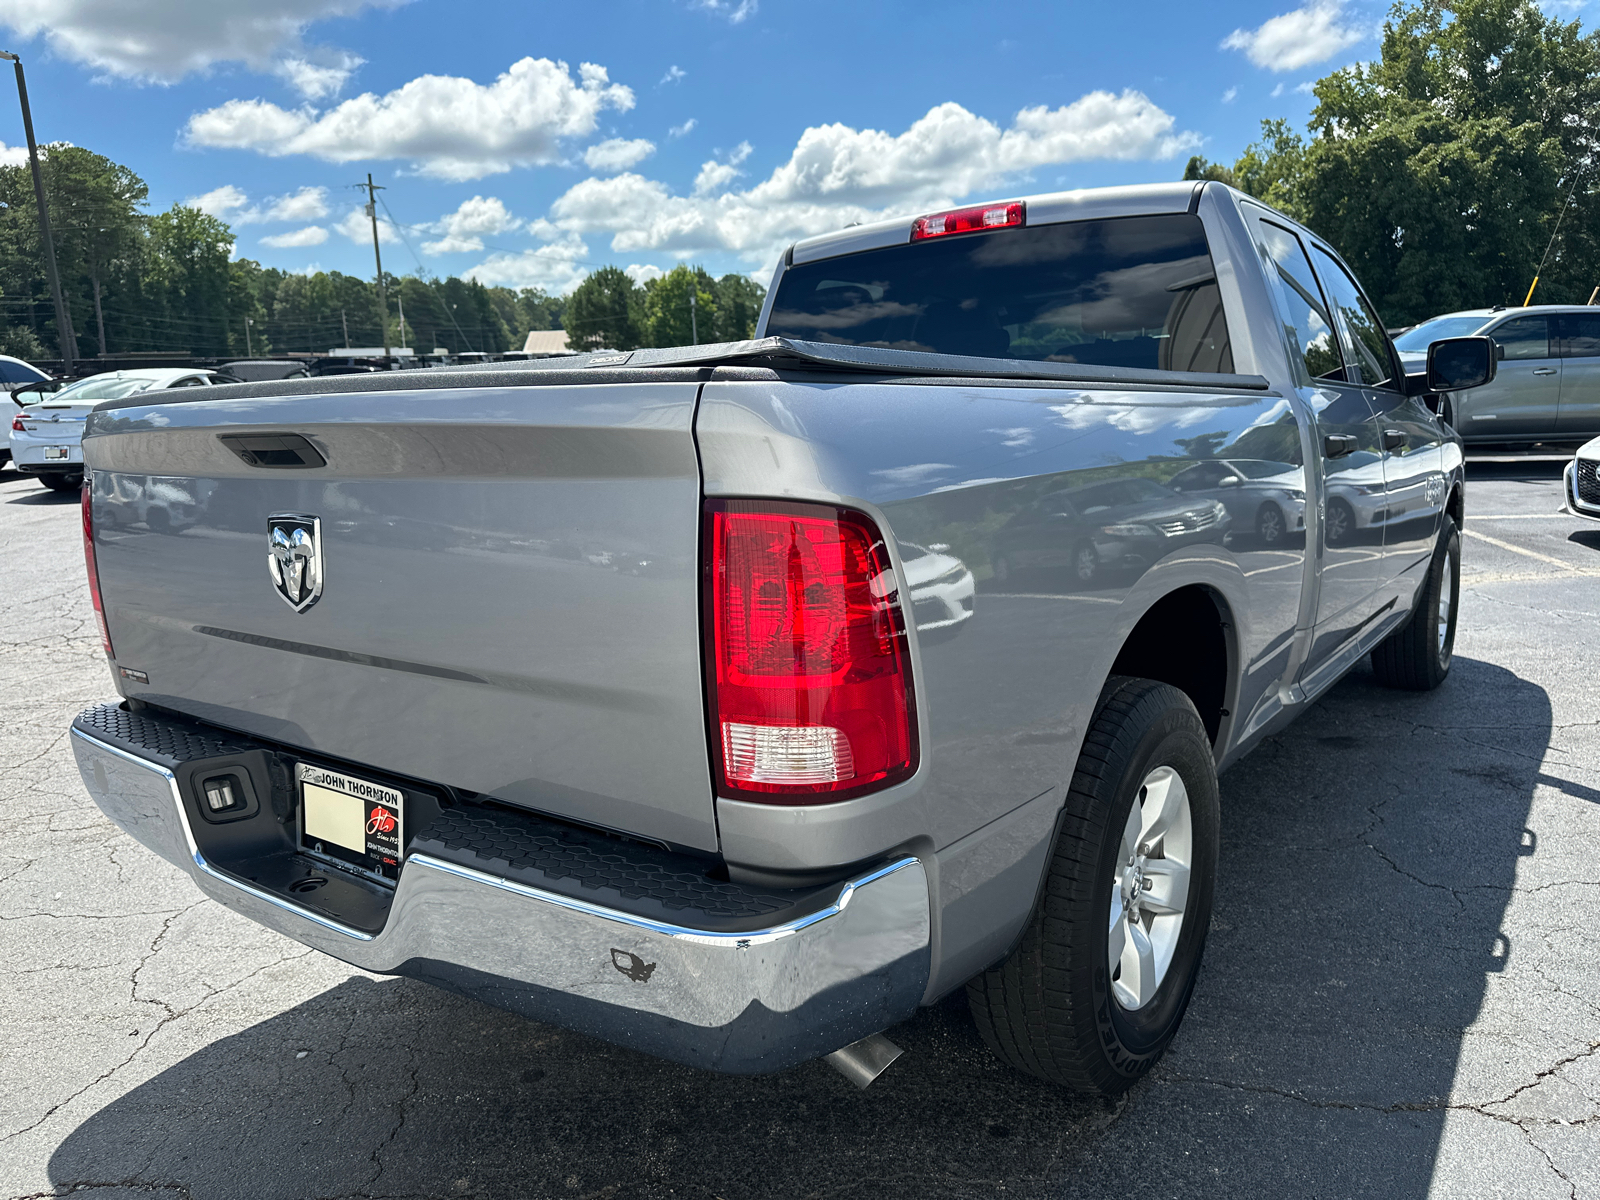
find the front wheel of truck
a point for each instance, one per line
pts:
(1094, 992)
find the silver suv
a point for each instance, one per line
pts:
(1548, 384)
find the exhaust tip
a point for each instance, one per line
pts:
(862, 1062)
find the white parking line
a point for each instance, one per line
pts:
(1555, 562)
(1550, 516)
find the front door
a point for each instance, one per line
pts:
(1523, 399)
(1578, 335)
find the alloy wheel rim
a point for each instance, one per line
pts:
(1271, 525)
(1150, 889)
(1086, 564)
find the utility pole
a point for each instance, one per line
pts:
(346, 324)
(694, 323)
(383, 294)
(401, 301)
(248, 353)
(64, 334)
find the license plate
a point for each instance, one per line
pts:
(57, 453)
(354, 815)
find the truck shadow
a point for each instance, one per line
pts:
(1367, 860)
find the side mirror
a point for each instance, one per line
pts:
(1455, 364)
(1228, 481)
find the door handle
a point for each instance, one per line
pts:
(1544, 370)
(1337, 445)
(1394, 439)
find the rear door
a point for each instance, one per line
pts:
(1578, 335)
(1409, 439)
(1524, 398)
(1349, 453)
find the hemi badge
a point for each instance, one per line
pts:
(136, 676)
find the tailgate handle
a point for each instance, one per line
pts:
(273, 449)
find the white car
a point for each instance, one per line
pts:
(15, 373)
(1580, 487)
(940, 586)
(47, 435)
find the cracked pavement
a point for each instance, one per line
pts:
(1401, 995)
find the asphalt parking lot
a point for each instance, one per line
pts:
(1401, 996)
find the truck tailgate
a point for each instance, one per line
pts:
(509, 599)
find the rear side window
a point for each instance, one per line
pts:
(16, 372)
(1308, 326)
(1121, 292)
(1580, 335)
(1366, 345)
(1524, 337)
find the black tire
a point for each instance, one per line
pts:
(1085, 562)
(1340, 522)
(1271, 526)
(60, 481)
(1417, 656)
(1049, 1009)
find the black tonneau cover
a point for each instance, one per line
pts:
(697, 362)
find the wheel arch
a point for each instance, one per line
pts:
(1187, 638)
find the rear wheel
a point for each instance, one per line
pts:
(60, 481)
(1340, 522)
(1095, 991)
(1417, 656)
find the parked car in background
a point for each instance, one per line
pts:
(46, 435)
(15, 373)
(257, 370)
(1581, 483)
(1128, 522)
(1548, 385)
(940, 586)
(1263, 497)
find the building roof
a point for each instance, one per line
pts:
(547, 341)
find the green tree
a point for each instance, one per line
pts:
(605, 311)
(540, 310)
(1440, 171)
(739, 301)
(667, 317)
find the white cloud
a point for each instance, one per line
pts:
(1277, 91)
(307, 204)
(714, 176)
(558, 266)
(740, 153)
(13, 156)
(161, 43)
(1311, 34)
(837, 175)
(687, 127)
(449, 127)
(311, 235)
(357, 226)
(463, 229)
(617, 154)
(735, 12)
(1229, 96)
(642, 273)
(674, 73)
(218, 202)
(229, 204)
(322, 79)
(1307, 88)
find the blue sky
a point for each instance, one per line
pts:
(711, 131)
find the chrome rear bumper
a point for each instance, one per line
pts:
(740, 1003)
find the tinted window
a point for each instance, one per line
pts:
(1126, 292)
(1261, 468)
(1366, 345)
(1524, 337)
(1415, 341)
(16, 372)
(1309, 327)
(1580, 334)
(1194, 479)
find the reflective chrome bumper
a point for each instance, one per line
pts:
(1570, 503)
(740, 1003)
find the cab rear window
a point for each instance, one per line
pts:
(1119, 292)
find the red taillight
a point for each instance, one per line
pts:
(17, 425)
(809, 674)
(87, 502)
(969, 220)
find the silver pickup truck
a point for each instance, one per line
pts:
(730, 702)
